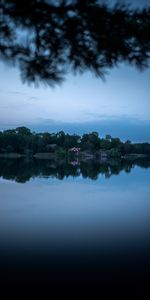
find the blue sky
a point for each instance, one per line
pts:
(119, 106)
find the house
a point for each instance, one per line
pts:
(74, 150)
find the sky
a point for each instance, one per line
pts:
(119, 106)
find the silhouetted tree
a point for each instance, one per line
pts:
(46, 38)
(22, 141)
(23, 130)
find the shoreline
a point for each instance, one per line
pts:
(82, 156)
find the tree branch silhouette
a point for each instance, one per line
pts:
(47, 39)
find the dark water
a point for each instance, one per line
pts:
(74, 225)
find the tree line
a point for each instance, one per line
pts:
(22, 141)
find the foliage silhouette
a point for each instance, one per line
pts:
(22, 141)
(46, 39)
(22, 170)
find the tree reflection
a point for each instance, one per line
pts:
(22, 170)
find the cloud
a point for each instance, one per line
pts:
(123, 127)
(13, 92)
(33, 98)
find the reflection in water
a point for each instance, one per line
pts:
(21, 170)
(74, 232)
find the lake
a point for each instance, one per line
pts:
(72, 224)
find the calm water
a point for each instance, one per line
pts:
(70, 224)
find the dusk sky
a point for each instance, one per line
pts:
(119, 106)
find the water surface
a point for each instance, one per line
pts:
(65, 223)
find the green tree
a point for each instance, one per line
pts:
(90, 141)
(60, 138)
(23, 130)
(108, 137)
